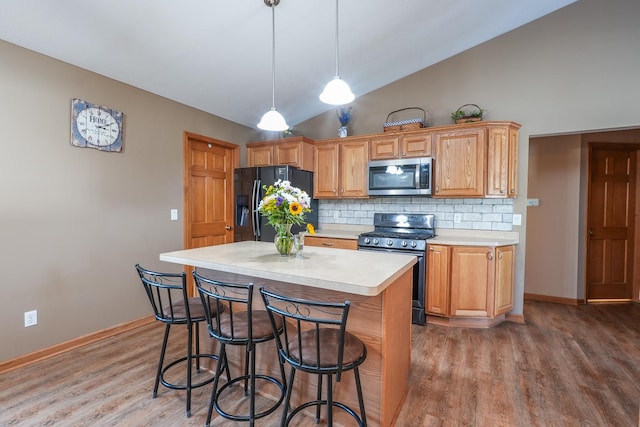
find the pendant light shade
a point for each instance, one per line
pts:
(272, 120)
(337, 91)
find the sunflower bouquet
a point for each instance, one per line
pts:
(284, 205)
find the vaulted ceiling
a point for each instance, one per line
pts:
(215, 55)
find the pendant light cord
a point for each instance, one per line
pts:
(337, 44)
(273, 55)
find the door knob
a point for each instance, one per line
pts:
(228, 227)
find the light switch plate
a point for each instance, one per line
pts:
(174, 214)
(517, 219)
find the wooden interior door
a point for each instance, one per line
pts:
(611, 218)
(208, 192)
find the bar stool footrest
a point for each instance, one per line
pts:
(173, 386)
(264, 413)
(323, 403)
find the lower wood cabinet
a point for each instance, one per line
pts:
(470, 282)
(330, 242)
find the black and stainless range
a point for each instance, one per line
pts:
(407, 234)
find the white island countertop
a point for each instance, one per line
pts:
(358, 272)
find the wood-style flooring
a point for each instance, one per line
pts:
(567, 366)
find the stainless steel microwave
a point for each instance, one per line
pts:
(401, 177)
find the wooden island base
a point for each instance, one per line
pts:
(382, 322)
(379, 287)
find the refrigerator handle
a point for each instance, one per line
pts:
(254, 207)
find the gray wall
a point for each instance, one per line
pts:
(74, 221)
(572, 71)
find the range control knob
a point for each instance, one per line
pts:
(413, 244)
(375, 241)
(389, 242)
(367, 240)
(404, 243)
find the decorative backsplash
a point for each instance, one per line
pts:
(473, 214)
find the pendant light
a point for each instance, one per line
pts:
(272, 120)
(337, 91)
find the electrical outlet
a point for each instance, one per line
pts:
(457, 218)
(30, 318)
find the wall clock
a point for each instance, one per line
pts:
(95, 126)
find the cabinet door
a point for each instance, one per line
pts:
(296, 151)
(497, 161)
(384, 147)
(417, 145)
(438, 280)
(325, 178)
(459, 164)
(512, 179)
(472, 274)
(260, 156)
(354, 157)
(502, 161)
(505, 257)
(288, 153)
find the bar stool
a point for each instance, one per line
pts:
(167, 294)
(237, 323)
(315, 340)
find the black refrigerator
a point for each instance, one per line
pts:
(249, 223)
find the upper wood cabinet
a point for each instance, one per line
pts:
(470, 160)
(459, 163)
(502, 161)
(479, 160)
(394, 146)
(260, 154)
(294, 151)
(341, 169)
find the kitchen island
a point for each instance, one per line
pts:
(379, 286)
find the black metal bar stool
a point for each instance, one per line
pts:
(315, 340)
(167, 294)
(237, 323)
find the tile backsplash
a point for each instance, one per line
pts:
(473, 214)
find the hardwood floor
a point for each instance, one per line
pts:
(567, 366)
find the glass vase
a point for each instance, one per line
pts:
(284, 239)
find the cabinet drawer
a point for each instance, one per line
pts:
(328, 242)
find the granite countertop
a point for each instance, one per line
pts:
(445, 236)
(357, 272)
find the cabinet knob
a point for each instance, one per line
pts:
(404, 154)
(490, 256)
(502, 191)
(431, 249)
(327, 243)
